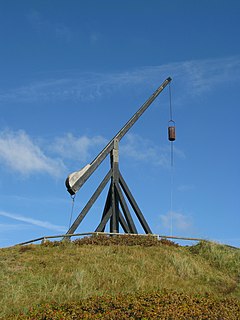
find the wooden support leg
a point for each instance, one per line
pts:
(126, 212)
(134, 205)
(90, 203)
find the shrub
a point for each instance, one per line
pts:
(116, 240)
(174, 306)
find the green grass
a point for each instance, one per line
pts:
(70, 272)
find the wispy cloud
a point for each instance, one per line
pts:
(21, 154)
(144, 150)
(176, 221)
(43, 26)
(191, 78)
(36, 200)
(6, 227)
(77, 148)
(35, 222)
(81, 149)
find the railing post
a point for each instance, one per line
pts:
(44, 240)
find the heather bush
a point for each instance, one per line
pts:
(173, 305)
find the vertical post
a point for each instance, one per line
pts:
(114, 158)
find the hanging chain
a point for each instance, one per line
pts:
(71, 214)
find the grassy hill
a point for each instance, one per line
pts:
(120, 278)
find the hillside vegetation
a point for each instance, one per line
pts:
(120, 278)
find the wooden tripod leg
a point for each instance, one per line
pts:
(126, 212)
(134, 205)
(106, 208)
(123, 223)
(90, 203)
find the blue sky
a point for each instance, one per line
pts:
(73, 72)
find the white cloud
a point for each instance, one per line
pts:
(6, 227)
(176, 221)
(133, 146)
(144, 150)
(81, 148)
(190, 78)
(35, 222)
(77, 148)
(21, 154)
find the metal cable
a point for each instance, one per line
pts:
(170, 102)
(171, 191)
(71, 214)
(172, 164)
